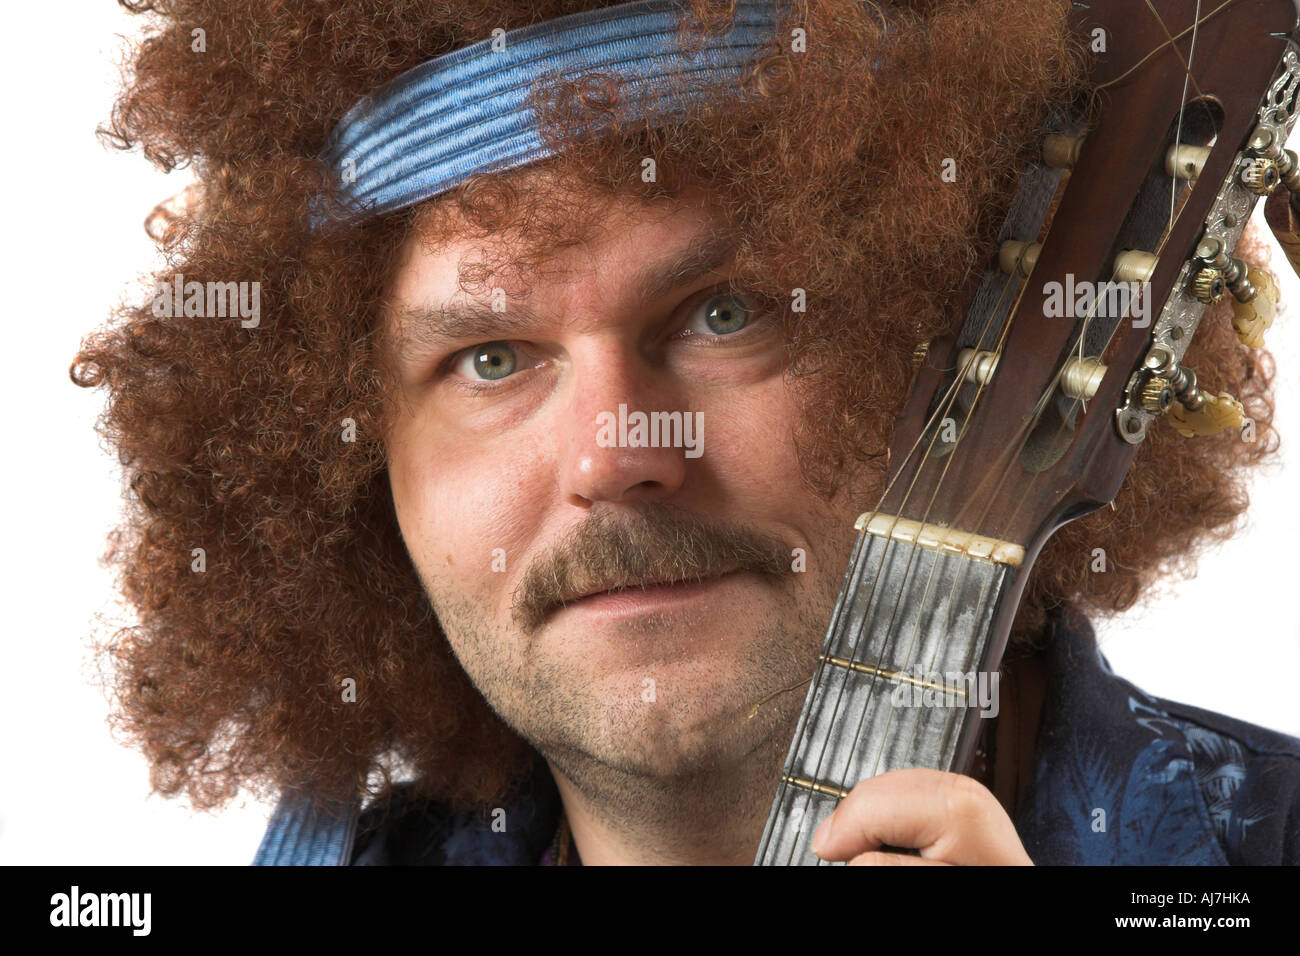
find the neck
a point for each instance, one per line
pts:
(717, 819)
(712, 818)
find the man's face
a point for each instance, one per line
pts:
(517, 489)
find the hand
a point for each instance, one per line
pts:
(951, 818)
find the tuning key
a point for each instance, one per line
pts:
(1268, 152)
(1252, 318)
(1171, 388)
(1186, 162)
(1061, 150)
(1211, 414)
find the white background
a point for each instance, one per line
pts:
(1228, 640)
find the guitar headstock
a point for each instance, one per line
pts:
(1030, 413)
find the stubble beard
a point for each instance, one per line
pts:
(676, 762)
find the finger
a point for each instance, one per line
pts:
(877, 858)
(946, 816)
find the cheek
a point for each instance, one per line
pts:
(465, 515)
(748, 440)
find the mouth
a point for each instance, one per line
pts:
(638, 597)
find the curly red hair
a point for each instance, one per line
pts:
(230, 436)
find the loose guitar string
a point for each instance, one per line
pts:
(1042, 405)
(1187, 75)
(1043, 402)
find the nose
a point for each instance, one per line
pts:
(605, 457)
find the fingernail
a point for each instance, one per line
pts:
(823, 833)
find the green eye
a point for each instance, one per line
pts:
(489, 362)
(725, 313)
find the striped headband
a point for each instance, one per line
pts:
(467, 112)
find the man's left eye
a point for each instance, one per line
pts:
(723, 313)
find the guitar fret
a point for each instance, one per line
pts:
(891, 675)
(816, 786)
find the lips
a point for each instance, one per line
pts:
(619, 589)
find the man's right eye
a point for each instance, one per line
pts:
(488, 362)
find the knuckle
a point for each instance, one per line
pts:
(965, 797)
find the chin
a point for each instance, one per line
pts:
(661, 741)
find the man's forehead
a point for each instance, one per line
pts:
(655, 250)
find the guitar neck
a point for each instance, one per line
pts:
(908, 667)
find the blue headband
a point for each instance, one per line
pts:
(466, 112)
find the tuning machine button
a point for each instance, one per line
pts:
(1253, 317)
(1206, 414)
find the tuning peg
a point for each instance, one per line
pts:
(1211, 414)
(1017, 258)
(1171, 388)
(1186, 162)
(1252, 318)
(1061, 150)
(1266, 151)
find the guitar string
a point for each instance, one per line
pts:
(861, 537)
(888, 544)
(861, 547)
(1160, 246)
(1082, 331)
(950, 397)
(859, 554)
(885, 551)
(1187, 75)
(1043, 402)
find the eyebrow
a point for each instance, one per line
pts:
(436, 326)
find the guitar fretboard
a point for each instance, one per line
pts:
(899, 677)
